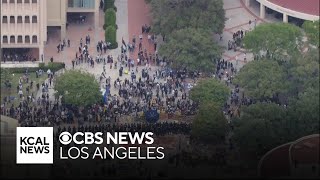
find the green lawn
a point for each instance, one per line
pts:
(15, 81)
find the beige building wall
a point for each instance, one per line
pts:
(23, 24)
(57, 15)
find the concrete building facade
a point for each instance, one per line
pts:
(24, 23)
(305, 10)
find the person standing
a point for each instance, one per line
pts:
(237, 61)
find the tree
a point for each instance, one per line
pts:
(210, 91)
(279, 39)
(304, 72)
(312, 31)
(192, 49)
(262, 79)
(303, 113)
(171, 15)
(78, 88)
(210, 124)
(261, 127)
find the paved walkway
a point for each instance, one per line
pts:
(139, 14)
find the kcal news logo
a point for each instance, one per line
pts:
(34, 145)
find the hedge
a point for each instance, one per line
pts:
(110, 17)
(111, 35)
(53, 66)
(109, 4)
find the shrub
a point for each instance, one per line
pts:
(109, 4)
(114, 45)
(111, 34)
(110, 17)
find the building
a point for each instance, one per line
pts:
(299, 158)
(304, 10)
(25, 23)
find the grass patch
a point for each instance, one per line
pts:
(15, 82)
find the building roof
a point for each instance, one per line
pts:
(276, 163)
(306, 150)
(304, 6)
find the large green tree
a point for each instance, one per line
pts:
(210, 91)
(171, 15)
(304, 72)
(192, 49)
(260, 127)
(210, 124)
(78, 88)
(312, 31)
(280, 39)
(262, 79)
(303, 113)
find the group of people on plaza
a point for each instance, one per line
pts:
(145, 87)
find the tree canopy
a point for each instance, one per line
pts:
(312, 31)
(171, 15)
(262, 79)
(210, 91)
(210, 124)
(260, 127)
(191, 49)
(78, 88)
(279, 39)
(263, 126)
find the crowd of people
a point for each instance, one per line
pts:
(14, 55)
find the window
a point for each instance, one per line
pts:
(34, 19)
(11, 19)
(19, 1)
(12, 1)
(19, 20)
(34, 39)
(27, 19)
(34, 1)
(26, 1)
(19, 39)
(12, 39)
(4, 1)
(27, 39)
(5, 39)
(4, 19)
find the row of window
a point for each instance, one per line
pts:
(18, 1)
(13, 39)
(19, 19)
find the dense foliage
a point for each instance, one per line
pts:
(191, 49)
(279, 39)
(171, 15)
(312, 31)
(78, 88)
(188, 27)
(210, 91)
(264, 126)
(210, 124)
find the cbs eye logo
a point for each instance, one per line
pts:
(65, 138)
